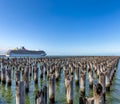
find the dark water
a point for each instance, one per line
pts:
(8, 94)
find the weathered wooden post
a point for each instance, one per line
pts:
(52, 88)
(3, 76)
(45, 94)
(112, 73)
(98, 94)
(66, 73)
(1, 65)
(30, 70)
(45, 68)
(26, 79)
(98, 70)
(39, 99)
(115, 68)
(69, 90)
(17, 76)
(51, 68)
(102, 82)
(35, 74)
(90, 75)
(0, 75)
(88, 101)
(81, 100)
(71, 69)
(23, 68)
(5, 66)
(95, 67)
(48, 71)
(107, 80)
(82, 82)
(8, 77)
(41, 96)
(41, 71)
(20, 93)
(57, 75)
(77, 75)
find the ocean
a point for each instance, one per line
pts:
(8, 94)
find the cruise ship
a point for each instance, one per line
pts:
(23, 52)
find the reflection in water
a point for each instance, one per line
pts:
(3, 91)
(36, 88)
(113, 97)
(7, 94)
(27, 99)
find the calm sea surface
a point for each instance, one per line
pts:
(8, 94)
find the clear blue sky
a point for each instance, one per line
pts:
(61, 27)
